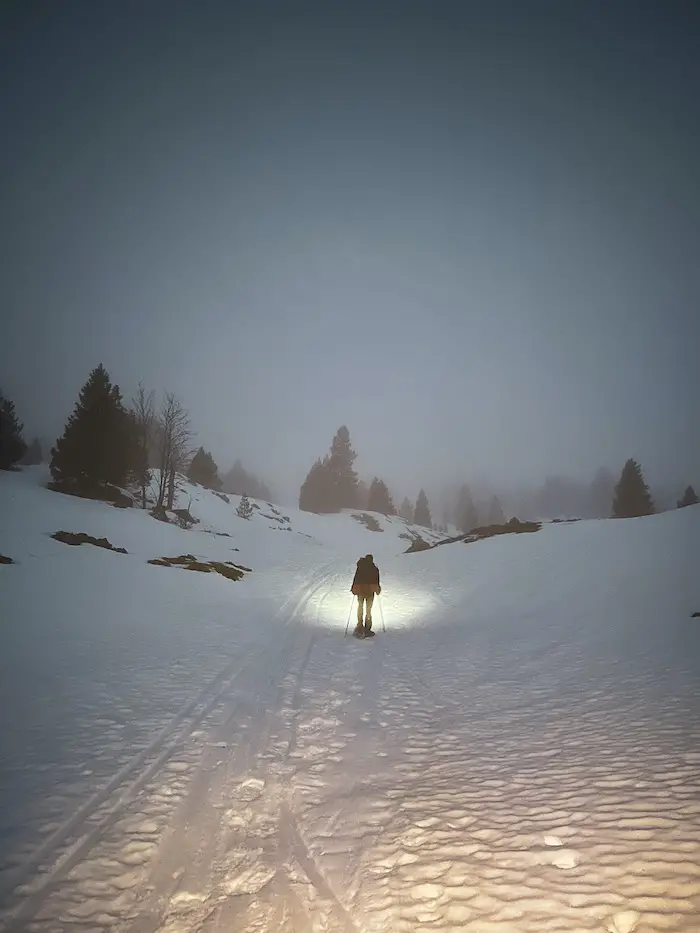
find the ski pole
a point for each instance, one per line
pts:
(381, 612)
(349, 615)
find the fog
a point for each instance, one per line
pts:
(468, 231)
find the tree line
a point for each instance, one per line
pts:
(107, 445)
(332, 484)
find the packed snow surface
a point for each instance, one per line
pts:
(519, 751)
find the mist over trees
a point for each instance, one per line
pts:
(632, 497)
(496, 515)
(12, 445)
(203, 470)
(406, 510)
(240, 482)
(34, 454)
(331, 484)
(106, 443)
(466, 516)
(379, 498)
(422, 511)
(689, 497)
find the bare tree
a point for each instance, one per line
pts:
(174, 447)
(144, 415)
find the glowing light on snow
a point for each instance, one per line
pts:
(403, 608)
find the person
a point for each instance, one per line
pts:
(365, 586)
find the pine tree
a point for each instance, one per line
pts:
(406, 510)
(689, 498)
(496, 516)
(632, 497)
(245, 509)
(467, 517)
(203, 470)
(97, 445)
(422, 516)
(239, 481)
(340, 467)
(33, 455)
(316, 491)
(379, 498)
(12, 446)
(331, 484)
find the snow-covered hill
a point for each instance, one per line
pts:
(518, 751)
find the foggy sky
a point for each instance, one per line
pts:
(470, 231)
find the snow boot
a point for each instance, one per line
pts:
(359, 632)
(368, 629)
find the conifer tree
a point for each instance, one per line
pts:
(203, 470)
(316, 491)
(406, 510)
(496, 516)
(689, 498)
(97, 444)
(343, 477)
(422, 516)
(12, 445)
(245, 509)
(467, 517)
(632, 497)
(239, 481)
(331, 484)
(379, 498)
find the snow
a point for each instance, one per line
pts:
(519, 752)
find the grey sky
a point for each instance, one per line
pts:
(469, 231)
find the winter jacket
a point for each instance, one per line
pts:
(366, 580)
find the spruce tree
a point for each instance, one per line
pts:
(316, 494)
(203, 470)
(245, 509)
(343, 478)
(12, 446)
(97, 445)
(379, 498)
(331, 484)
(496, 516)
(422, 516)
(406, 510)
(467, 517)
(632, 498)
(689, 498)
(239, 481)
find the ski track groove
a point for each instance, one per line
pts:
(165, 743)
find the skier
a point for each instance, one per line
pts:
(365, 585)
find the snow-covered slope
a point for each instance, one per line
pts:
(520, 751)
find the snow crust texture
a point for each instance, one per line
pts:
(519, 752)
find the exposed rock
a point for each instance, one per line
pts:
(77, 538)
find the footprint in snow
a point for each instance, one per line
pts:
(625, 921)
(250, 789)
(248, 881)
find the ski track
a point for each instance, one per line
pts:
(63, 853)
(532, 783)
